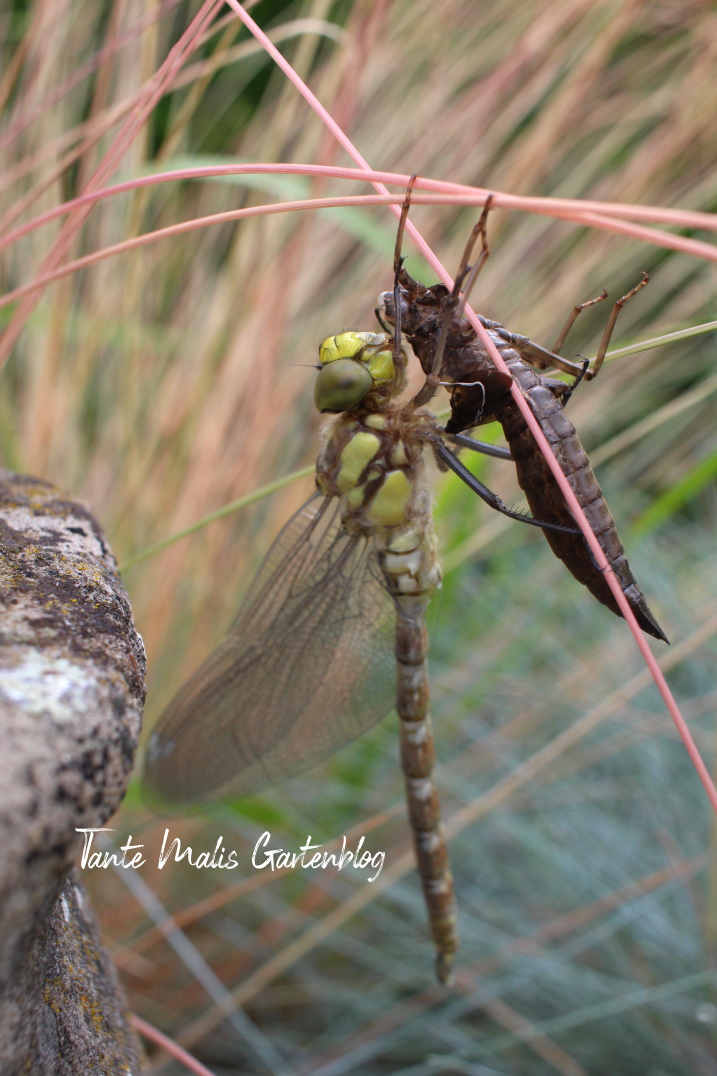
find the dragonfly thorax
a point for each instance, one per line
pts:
(374, 463)
(373, 468)
(372, 458)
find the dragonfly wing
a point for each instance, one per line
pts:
(305, 668)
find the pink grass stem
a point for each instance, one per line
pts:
(173, 1048)
(153, 91)
(592, 214)
(525, 410)
(661, 239)
(24, 119)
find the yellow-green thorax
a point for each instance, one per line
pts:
(367, 463)
(372, 459)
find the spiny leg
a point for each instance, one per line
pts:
(398, 247)
(538, 356)
(453, 305)
(397, 266)
(466, 274)
(445, 455)
(464, 441)
(535, 354)
(611, 325)
(566, 395)
(572, 318)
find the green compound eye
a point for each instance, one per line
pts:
(341, 385)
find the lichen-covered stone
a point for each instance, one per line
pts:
(71, 694)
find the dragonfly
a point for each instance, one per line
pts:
(331, 635)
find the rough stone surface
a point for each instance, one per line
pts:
(71, 693)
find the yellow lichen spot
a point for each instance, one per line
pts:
(398, 454)
(388, 508)
(355, 457)
(376, 422)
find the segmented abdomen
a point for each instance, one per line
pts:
(547, 502)
(417, 760)
(411, 573)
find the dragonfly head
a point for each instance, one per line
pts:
(352, 365)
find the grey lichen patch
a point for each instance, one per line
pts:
(71, 694)
(47, 684)
(59, 581)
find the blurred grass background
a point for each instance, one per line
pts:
(164, 383)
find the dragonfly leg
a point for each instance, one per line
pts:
(453, 305)
(611, 325)
(572, 318)
(566, 395)
(466, 276)
(539, 356)
(492, 499)
(397, 266)
(388, 329)
(535, 354)
(397, 255)
(464, 441)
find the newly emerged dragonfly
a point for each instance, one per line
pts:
(331, 635)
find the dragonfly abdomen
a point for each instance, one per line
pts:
(411, 576)
(417, 761)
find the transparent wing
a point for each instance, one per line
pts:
(306, 667)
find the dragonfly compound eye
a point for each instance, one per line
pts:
(341, 385)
